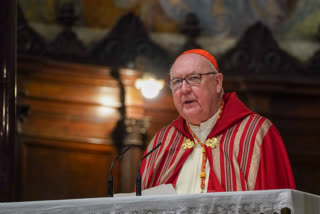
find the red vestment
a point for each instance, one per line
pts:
(250, 154)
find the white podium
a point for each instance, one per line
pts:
(268, 202)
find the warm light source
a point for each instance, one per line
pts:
(149, 86)
(107, 100)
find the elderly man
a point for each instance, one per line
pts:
(217, 143)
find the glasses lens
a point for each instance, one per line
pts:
(194, 79)
(175, 83)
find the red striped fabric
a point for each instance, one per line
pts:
(234, 164)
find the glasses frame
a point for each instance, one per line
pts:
(185, 78)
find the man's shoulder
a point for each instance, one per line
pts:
(257, 120)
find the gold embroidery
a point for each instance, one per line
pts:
(212, 143)
(188, 144)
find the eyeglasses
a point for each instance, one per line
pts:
(191, 79)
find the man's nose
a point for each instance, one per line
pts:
(185, 87)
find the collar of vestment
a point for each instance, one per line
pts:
(234, 111)
(205, 128)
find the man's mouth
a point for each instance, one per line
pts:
(188, 101)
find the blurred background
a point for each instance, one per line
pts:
(91, 79)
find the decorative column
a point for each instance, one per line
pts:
(122, 47)
(131, 127)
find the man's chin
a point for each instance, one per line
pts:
(191, 116)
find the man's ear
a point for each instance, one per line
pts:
(219, 81)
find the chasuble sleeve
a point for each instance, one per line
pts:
(274, 169)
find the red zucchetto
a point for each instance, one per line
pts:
(204, 53)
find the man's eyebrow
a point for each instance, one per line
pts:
(191, 73)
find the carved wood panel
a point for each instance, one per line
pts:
(67, 147)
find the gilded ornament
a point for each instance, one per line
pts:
(212, 143)
(188, 144)
(203, 175)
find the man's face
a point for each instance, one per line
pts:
(196, 103)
